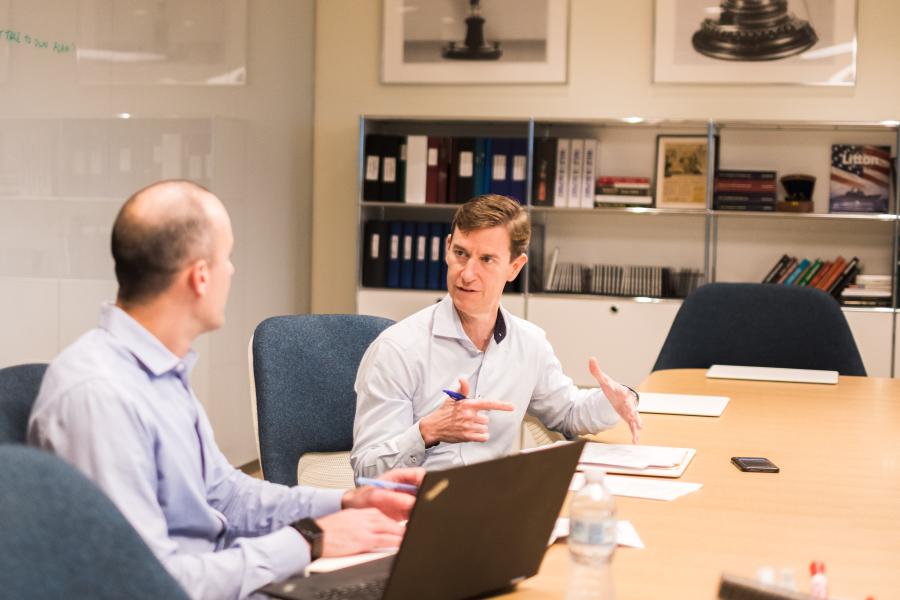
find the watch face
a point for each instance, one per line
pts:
(312, 533)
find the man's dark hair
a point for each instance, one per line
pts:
(149, 249)
(491, 210)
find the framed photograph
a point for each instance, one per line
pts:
(474, 41)
(766, 41)
(681, 169)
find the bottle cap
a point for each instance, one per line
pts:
(816, 566)
(594, 475)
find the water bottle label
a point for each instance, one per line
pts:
(594, 534)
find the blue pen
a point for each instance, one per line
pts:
(388, 485)
(454, 395)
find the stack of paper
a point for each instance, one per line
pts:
(626, 534)
(772, 374)
(659, 461)
(641, 487)
(682, 404)
(327, 565)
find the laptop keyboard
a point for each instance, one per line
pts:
(362, 590)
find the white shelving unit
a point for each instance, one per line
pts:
(626, 333)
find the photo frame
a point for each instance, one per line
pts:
(481, 42)
(682, 166)
(797, 42)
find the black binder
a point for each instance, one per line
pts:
(375, 247)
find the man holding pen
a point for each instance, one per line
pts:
(505, 367)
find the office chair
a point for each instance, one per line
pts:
(760, 325)
(63, 538)
(304, 368)
(19, 387)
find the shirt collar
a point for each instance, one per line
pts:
(448, 324)
(143, 345)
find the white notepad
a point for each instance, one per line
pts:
(772, 374)
(630, 459)
(682, 404)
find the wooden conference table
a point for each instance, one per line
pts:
(836, 499)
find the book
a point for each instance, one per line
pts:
(809, 273)
(551, 271)
(576, 168)
(561, 195)
(801, 267)
(544, 172)
(745, 174)
(860, 178)
(416, 186)
(821, 274)
(789, 268)
(610, 190)
(587, 175)
(773, 272)
(747, 207)
(834, 271)
(845, 278)
(608, 200)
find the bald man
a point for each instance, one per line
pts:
(117, 404)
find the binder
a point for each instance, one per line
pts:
(392, 146)
(442, 283)
(401, 170)
(519, 152)
(488, 173)
(544, 172)
(372, 168)
(416, 169)
(478, 184)
(393, 257)
(587, 176)
(462, 176)
(576, 169)
(407, 266)
(420, 258)
(375, 246)
(535, 264)
(435, 255)
(431, 170)
(499, 160)
(561, 195)
(445, 151)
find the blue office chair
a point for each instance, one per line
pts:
(62, 537)
(760, 325)
(19, 387)
(304, 368)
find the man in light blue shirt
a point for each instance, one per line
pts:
(403, 418)
(117, 404)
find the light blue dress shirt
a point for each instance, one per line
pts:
(401, 376)
(117, 404)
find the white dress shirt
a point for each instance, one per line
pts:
(403, 372)
(117, 404)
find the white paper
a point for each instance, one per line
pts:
(772, 374)
(326, 565)
(626, 534)
(641, 487)
(631, 456)
(682, 404)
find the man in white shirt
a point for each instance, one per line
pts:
(504, 365)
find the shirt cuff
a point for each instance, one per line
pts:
(325, 502)
(606, 414)
(411, 447)
(284, 553)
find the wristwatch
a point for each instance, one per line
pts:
(313, 535)
(637, 397)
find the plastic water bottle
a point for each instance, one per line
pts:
(592, 540)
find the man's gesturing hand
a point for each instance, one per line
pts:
(356, 530)
(459, 420)
(621, 399)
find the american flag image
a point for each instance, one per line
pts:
(860, 170)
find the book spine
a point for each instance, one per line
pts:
(787, 270)
(561, 196)
(810, 273)
(778, 264)
(741, 174)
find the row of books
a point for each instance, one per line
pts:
(564, 171)
(744, 190)
(621, 280)
(869, 291)
(419, 169)
(830, 276)
(612, 190)
(411, 255)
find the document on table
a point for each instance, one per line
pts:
(632, 459)
(326, 565)
(772, 374)
(682, 404)
(626, 534)
(641, 487)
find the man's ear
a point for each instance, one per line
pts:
(198, 277)
(517, 266)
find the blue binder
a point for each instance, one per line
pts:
(407, 253)
(394, 245)
(435, 255)
(420, 257)
(500, 176)
(442, 282)
(488, 166)
(518, 151)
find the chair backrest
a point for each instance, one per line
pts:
(63, 538)
(760, 325)
(304, 368)
(19, 387)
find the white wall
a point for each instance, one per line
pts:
(610, 73)
(270, 149)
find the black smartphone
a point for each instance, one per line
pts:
(755, 464)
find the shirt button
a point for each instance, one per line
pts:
(179, 367)
(413, 459)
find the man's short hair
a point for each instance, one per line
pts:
(491, 210)
(148, 252)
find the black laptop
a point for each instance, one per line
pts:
(474, 530)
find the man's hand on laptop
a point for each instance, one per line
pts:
(621, 398)
(459, 420)
(357, 530)
(394, 504)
